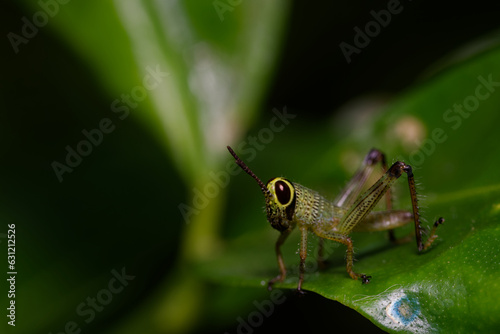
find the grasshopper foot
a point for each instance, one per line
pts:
(439, 221)
(279, 278)
(365, 279)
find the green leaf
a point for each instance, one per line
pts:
(446, 127)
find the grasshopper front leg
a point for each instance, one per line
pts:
(303, 256)
(281, 263)
(352, 189)
(302, 253)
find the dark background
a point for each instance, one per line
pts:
(313, 74)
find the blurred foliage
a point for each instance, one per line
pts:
(137, 206)
(173, 94)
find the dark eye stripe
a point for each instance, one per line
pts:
(283, 192)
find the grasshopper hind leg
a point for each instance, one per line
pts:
(344, 239)
(362, 209)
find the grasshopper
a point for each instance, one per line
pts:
(290, 205)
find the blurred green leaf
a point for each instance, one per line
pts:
(452, 287)
(213, 68)
(214, 65)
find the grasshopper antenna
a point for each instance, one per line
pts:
(247, 170)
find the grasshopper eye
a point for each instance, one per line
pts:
(282, 192)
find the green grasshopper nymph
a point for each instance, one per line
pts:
(289, 204)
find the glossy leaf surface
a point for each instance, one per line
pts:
(453, 286)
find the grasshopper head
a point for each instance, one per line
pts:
(279, 194)
(280, 203)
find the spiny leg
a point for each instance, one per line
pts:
(344, 239)
(355, 185)
(303, 256)
(387, 221)
(321, 255)
(281, 264)
(416, 215)
(384, 220)
(433, 235)
(359, 210)
(352, 189)
(350, 263)
(365, 203)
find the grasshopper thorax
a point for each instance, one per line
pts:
(280, 203)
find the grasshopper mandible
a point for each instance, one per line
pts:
(289, 204)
